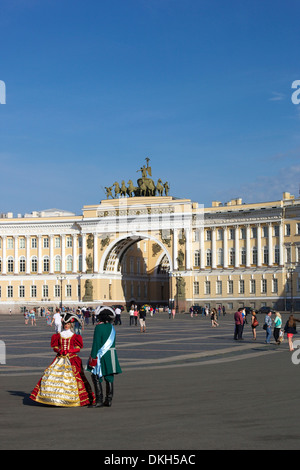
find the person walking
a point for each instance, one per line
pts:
(118, 316)
(131, 315)
(57, 321)
(277, 327)
(213, 317)
(290, 330)
(254, 324)
(268, 327)
(142, 317)
(239, 322)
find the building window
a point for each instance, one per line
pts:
(275, 286)
(69, 263)
(21, 243)
(46, 242)
(277, 255)
(207, 287)
(80, 263)
(254, 255)
(21, 291)
(57, 242)
(197, 258)
(254, 232)
(266, 255)
(10, 292)
(196, 288)
(287, 230)
(264, 286)
(10, 243)
(232, 257)
(45, 290)
(220, 257)
(69, 242)
(57, 290)
(243, 233)
(230, 287)
(33, 291)
(208, 258)
(46, 264)
(33, 243)
(276, 230)
(220, 234)
(10, 264)
(231, 233)
(208, 235)
(243, 256)
(68, 290)
(241, 286)
(252, 286)
(22, 264)
(34, 264)
(57, 263)
(265, 232)
(219, 287)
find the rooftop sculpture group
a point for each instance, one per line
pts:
(145, 186)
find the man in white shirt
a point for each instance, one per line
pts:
(57, 321)
(118, 316)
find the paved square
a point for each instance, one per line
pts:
(184, 386)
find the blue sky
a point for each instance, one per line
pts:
(201, 87)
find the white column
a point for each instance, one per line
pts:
(4, 261)
(175, 254)
(83, 252)
(237, 247)
(51, 239)
(28, 254)
(96, 267)
(281, 261)
(39, 241)
(188, 248)
(63, 253)
(225, 247)
(75, 256)
(248, 250)
(270, 245)
(259, 259)
(16, 264)
(202, 250)
(213, 248)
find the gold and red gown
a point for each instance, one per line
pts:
(64, 382)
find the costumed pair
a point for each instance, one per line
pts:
(64, 382)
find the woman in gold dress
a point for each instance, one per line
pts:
(63, 382)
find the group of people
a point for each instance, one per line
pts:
(278, 334)
(64, 382)
(140, 314)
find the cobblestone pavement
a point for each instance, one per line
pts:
(185, 385)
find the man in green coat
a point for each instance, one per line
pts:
(103, 361)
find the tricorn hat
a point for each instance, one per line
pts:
(105, 314)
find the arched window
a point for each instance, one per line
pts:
(69, 263)
(34, 264)
(208, 258)
(22, 264)
(57, 263)
(232, 256)
(10, 264)
(46, 264)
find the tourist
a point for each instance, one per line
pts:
(131, 315)
(239, 322)
(142, 318)
(290, 330)
(213, 317)
(277, 327)
(136, 314)
(268, 327)
(254, 324)
(118, 316)
(63, 382)
(103, 361)
(57, 321)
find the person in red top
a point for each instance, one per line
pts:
(63, 382)
(239, 322)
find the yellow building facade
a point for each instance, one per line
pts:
(159, 250)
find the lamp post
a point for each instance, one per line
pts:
(177, 276)
(61, 279)
(290, 270)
